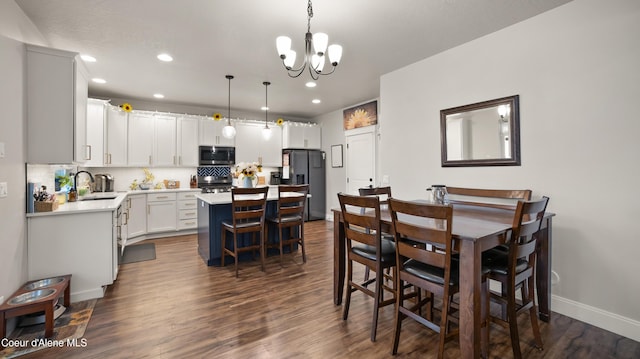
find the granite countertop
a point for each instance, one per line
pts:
(99, 205)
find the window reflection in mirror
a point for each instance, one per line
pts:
(481, 134)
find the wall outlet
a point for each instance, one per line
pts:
(3, 189)
(1, 300)
(385, 179)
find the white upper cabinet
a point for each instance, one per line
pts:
(165, 141)
(95, 133)
(115, 149)
(301, 136)
(140, 139)
(187, 145)
(252, 147)
(57, 90)
(211, 133)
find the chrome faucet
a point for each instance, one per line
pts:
(75, 179)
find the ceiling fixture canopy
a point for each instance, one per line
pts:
(229, 131)
(266, 131)
(315, 58)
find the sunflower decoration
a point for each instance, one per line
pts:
(126, 107)
(217, 116)
(280, 121)
(359, 118)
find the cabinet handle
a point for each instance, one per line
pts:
(305, 143)
(149, 159)
(148, 209)
(126, 217)
(162, 197)
(190, 214)
(180, 160)
(128, 203)
(174, 160)
(190, 223)
(109, 158)
(88, 158)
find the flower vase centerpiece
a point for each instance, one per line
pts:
(247, 172)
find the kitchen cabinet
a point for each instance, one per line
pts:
(187, 210)
(140, 139)
(161, 212)
(57, 92)
(187, 146)
(165, 140)
(136, 216)
(115, 149)
(80, 244)
(211, 133)
(95, 133)
(252, 147)
(301, 136)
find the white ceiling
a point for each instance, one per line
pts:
(211, 38)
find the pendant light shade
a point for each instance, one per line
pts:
(266, 131)
(229, 131)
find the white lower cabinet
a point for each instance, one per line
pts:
(80, 244)
(161, 212)
(136, 215)
(187, 210)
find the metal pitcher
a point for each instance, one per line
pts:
(439, 194)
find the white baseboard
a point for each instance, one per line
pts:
(87, 294)
(597, 317)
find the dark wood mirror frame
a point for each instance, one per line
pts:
(513, 137)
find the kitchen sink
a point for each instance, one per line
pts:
(95, 198)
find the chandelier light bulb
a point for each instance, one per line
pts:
(266, 133)
(320, 42)
(335, 54)
(283, 44)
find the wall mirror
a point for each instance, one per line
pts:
(481, 134)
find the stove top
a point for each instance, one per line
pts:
(216, 189)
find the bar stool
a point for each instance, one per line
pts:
(292, 200)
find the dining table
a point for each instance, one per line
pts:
(475, 229)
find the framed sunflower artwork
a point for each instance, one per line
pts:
(361, 115)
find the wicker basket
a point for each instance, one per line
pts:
(42, 206)
(171, 184)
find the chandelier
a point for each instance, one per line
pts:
(315, 58)
(229, 131)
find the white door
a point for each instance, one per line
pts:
(360, 161)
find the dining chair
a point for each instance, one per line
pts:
(292, 200)
(498, 198)
(366, 246)
(384, 193)
(516, 271)
(424, 249)
(248, 207)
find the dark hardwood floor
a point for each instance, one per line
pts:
(177, 307)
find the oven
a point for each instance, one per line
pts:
(216, 156)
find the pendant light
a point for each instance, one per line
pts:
(266, 131)
(229, 131)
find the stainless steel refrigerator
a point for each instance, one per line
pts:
(307, 167)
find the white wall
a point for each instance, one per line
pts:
(335, 177)
(576, 71)
(15, 28)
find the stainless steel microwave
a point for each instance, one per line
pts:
(216, 156)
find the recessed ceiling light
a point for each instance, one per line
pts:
(158, 95)
(264, 108)
(88, 58)
(165, 57)
(315, 100)
(310, 84)
(99, 81)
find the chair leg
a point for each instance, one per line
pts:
(533, 313)
(443, 324)
(262, 248)
(281, 248)
(235, 251)
(347, 299)
(513, 324)
(399, 317)
(304, 254)
(485, 317)
(376, 304)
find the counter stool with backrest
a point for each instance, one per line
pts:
(384, 193)
(292, 200)
(248, 207)
(516, 270)
(366, 246)
(424, 248)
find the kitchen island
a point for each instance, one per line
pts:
(213, 208)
